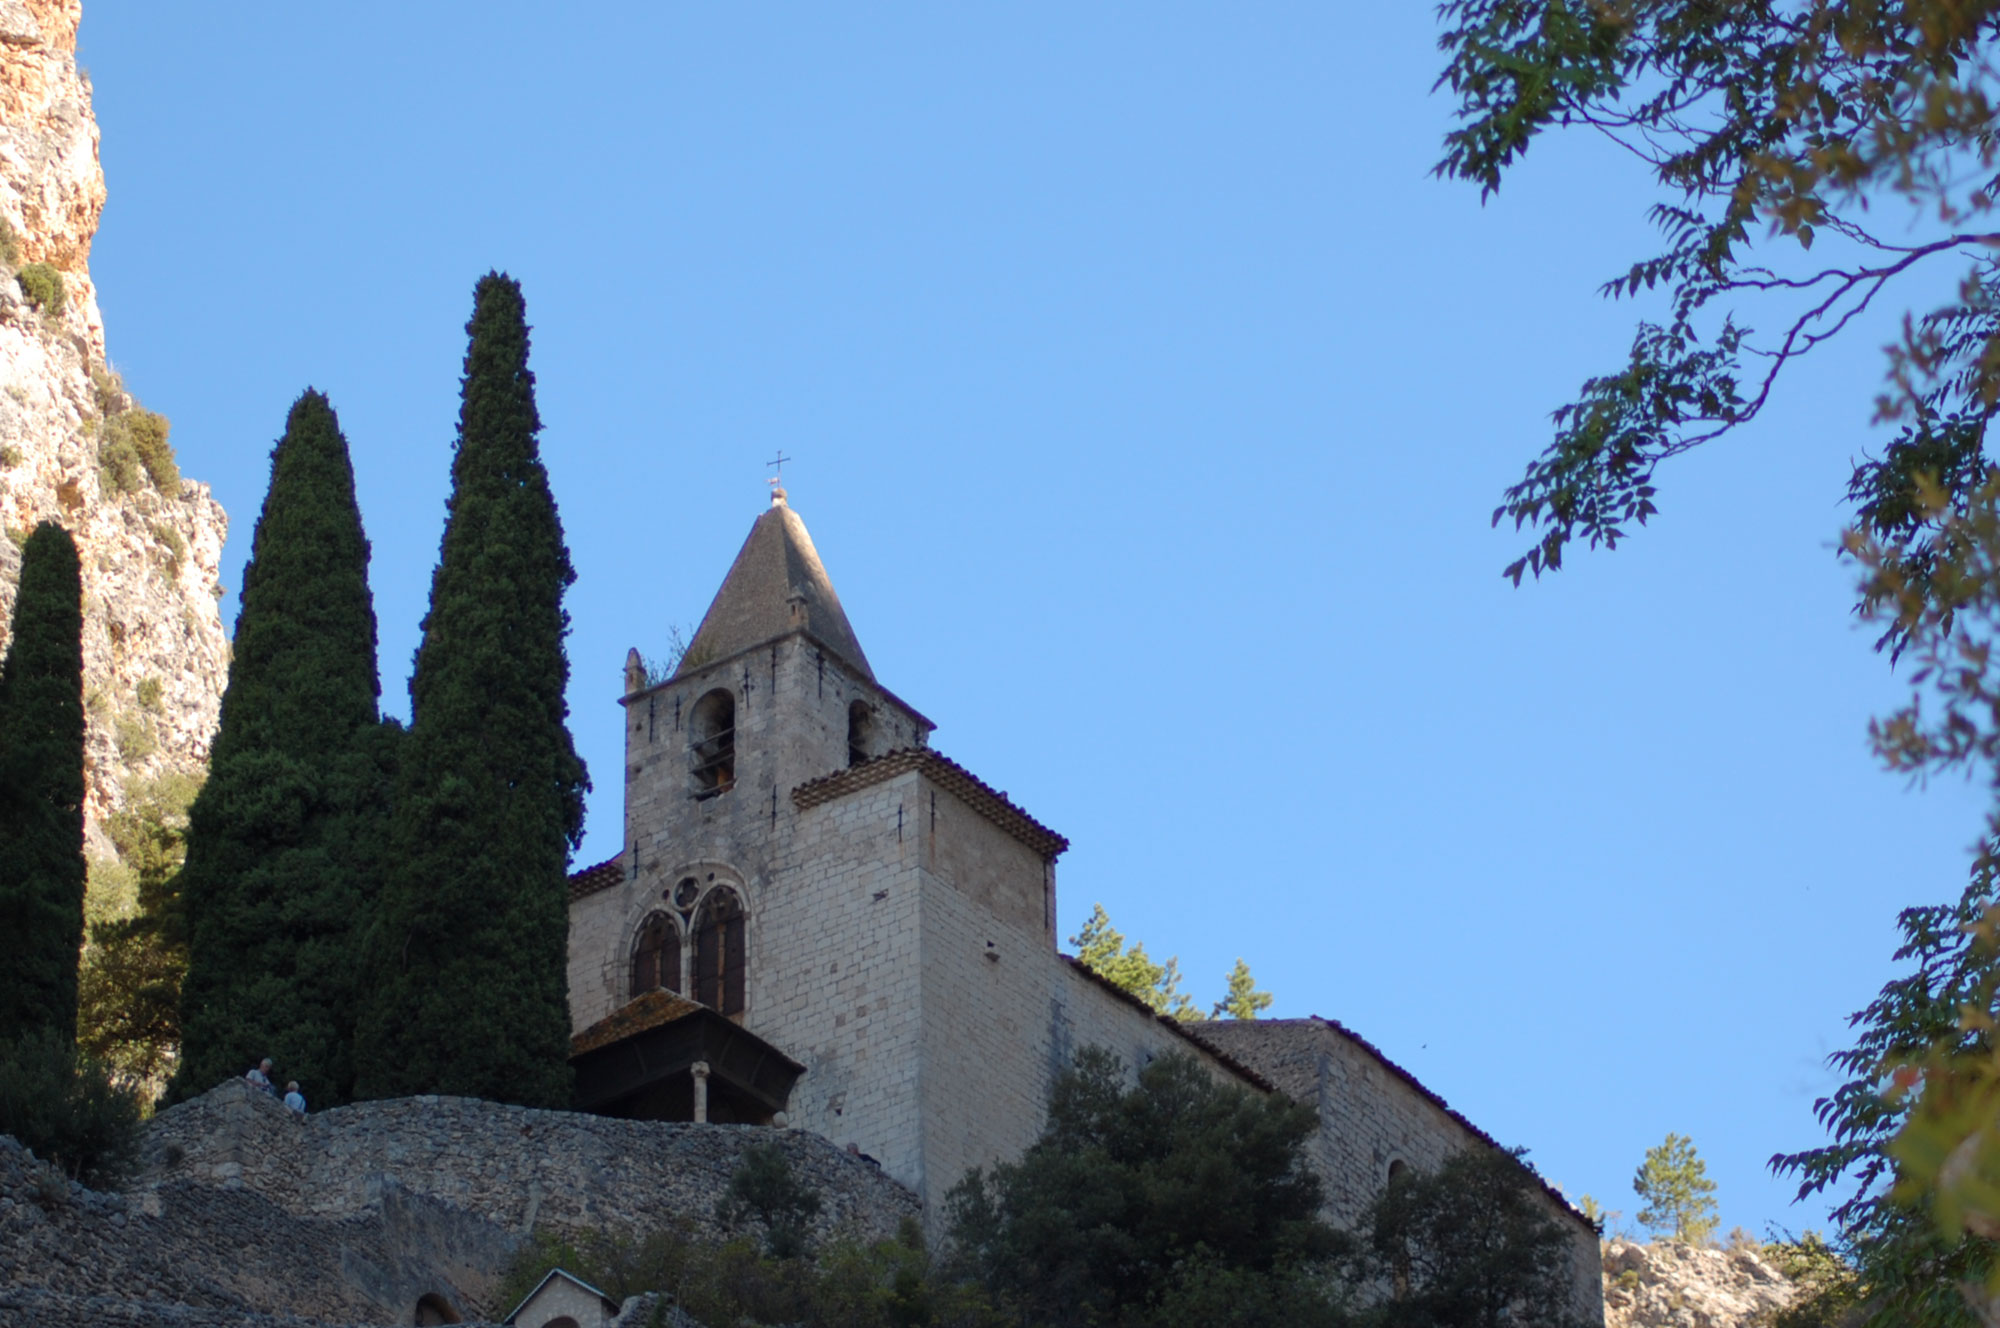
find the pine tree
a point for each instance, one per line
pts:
(285, 840)
(1675, 1185)
(1100, 947)
(41, 793)
(469, 990)
(1244, 1001)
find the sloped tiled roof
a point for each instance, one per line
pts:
(635, 1016)
(602, 876)
(948, 775)
(777, 585)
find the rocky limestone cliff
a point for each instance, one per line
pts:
(1680, 1286)
(155, 655)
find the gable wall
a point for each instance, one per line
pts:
(558, 1297)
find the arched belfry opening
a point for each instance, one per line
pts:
(860, 731)
(719, 953)
(656, 956)
(712, 744)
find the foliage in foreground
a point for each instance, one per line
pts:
(1673, 1182)
(1806, 158)
(65, 1106)
(42, 869)
(1910, 1151)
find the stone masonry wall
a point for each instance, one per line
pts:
(1372, 1117)
(830, 894)
(517, 1168)
(997, 1032)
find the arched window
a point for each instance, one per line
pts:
(712, 744)
(718, 952)
(656, 956)
(860, 728)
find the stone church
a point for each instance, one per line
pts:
(819, 920)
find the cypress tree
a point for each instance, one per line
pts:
(468, 982)
(285, 839)
(41, 793)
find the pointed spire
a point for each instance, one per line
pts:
(777, 585)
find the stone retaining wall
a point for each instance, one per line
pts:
(518, 1168)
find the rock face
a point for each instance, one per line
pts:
(1679, 1286)
(155, 655)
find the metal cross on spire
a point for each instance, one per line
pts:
(777, 463)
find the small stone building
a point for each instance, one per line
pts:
(819, 920)
(562, 1300)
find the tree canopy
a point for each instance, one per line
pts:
(1808, 158)
(1673, 1183)
(42, 868)
(1143, 1204)
(468, 965)
(285, 839)
(1472, 1244)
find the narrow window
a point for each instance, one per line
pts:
(860, 727)
(656, 956)
(712, 744)
(718, 953)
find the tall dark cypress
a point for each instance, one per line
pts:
(285, 839)
(468, 988)
(41, 792)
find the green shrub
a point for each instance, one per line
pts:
(64, 1106)
(10, 244)
(10, 456)
(148, 431)
(1831, 1293)
(135, 737)
(149, 693)
(43, 286)
(763, 1189)
(176, 547)
(132, 449)
(109, 389)
(118, 466)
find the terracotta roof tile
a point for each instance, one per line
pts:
(602, 876)
(948, 775)
(635, 1016)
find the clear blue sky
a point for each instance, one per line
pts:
(1149, 402)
